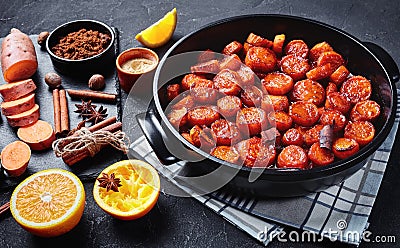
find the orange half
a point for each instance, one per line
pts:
(137, 195)
(48, 203)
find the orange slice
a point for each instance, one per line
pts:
(48, 203)
(160, 32)
(137, 195)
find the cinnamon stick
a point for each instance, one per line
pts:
(113, 127)
(92, 95)
(103, 124)
(4, 207)
(64, 112)
(57, 111)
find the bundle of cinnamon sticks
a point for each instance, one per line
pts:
(109, 124)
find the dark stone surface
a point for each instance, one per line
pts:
(183, 222)
(87, 168)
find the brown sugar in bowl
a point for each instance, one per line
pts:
(83, 67)
(128, 76)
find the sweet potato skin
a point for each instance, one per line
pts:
(16, 90)
(18, 106)
(25, 118)
(18, 58)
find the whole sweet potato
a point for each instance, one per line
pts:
(18, 56)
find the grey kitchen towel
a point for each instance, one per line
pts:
(340, 212)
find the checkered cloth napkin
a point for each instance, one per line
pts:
(341, 212)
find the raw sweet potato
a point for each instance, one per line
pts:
(18, 58)
(24, 119)
(18, 106)
(39, 135)
(16, 90)
(15, 158)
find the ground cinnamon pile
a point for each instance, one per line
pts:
(81, 44)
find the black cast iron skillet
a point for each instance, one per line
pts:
(363, 58)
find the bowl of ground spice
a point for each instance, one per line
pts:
(82, 48)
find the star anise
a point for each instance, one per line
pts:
(84, 108)
(109, 182)
(95, 115)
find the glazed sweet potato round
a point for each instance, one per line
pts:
(335, 118)
(203, 91)
(225, 133)
(283, 121)
(227, 153)
(292, 137)
(227, 82)
(320, 156)
(297, 47)
(251, 96)
(203, 115)
(251, 121)
(277, 83)
(292, 157)
(304, 113)
(367, 110)
(295, 66)
(361, 131)
(337, 101)
(261, 59)
(308, 90)
(279, 103)
(345, 147)
(254, 153)
(332, 58)
(189, 79)
(356, 89)
(228, 106)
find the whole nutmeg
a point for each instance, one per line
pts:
(96, 82)
(42, 38)
(53, 80)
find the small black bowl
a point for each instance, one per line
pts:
(84, 67)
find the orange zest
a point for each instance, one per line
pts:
(137, 195)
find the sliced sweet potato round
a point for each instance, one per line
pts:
(39, 135)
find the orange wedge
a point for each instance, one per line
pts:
(48, 203)
(160, 32)
(137, 195)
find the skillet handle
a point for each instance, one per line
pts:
(386, 59)
(154, 134)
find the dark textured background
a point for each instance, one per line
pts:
(183, 222)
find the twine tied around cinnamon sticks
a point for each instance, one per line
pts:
(85, 141)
